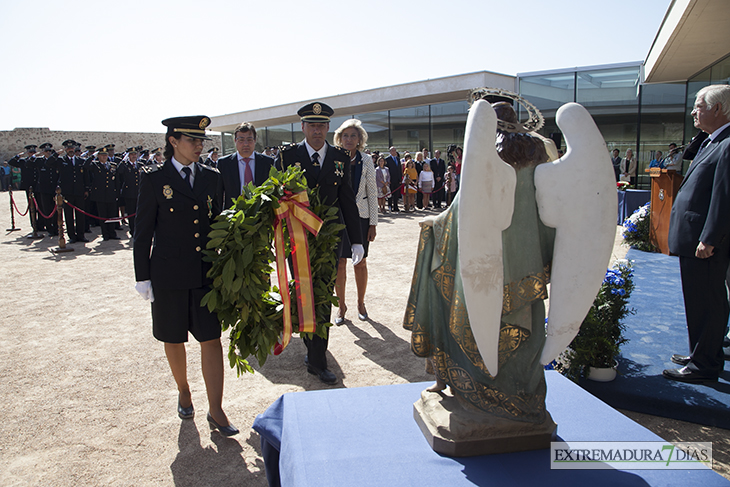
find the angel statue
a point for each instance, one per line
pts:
(476, 309)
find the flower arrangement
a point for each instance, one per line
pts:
(599, 340)
(636, 230)
(622, 185)
(240, 249)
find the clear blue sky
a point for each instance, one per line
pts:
(99, 65)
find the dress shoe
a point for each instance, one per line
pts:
(185, 413)
(229, 430)
(362, 313)
(686, 375)
(680, 359)
(324, 375)
(82, 239)
(71, 240)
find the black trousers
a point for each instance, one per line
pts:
(706, 307)
(75, 220)
(130, 206)
(107, 210)
(393, 200)
(46, 203)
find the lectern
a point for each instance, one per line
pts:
(664, 186)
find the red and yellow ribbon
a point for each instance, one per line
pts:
(299, 220)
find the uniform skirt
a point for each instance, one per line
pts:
(175, 312)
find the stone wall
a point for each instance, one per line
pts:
(13, 141)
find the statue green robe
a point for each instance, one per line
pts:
(437, 317)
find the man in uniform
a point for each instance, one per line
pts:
(327, 168)
(243, 166)
(74, 183)
(212, 159)
(25, 161)
(104, 191)
(699, 232)
(45, 190)
(128, 181)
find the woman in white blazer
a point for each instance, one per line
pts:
(353, 137)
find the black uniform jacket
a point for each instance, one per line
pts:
(177, 217)
(128, 179)
(701, 210)
(73, 178)
(46, 176)
(103, 181)
(228, 166)
(28, 175)
(333, 183)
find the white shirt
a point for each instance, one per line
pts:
(322, 151)
(179, 167)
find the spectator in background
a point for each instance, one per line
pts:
(396, 177)
(425, 184)
(4, 176)
(419, 163)
(410, 181)
(628, 167)
(438, 166)
(673, 161)
(451, 184)
(382, 180)
(616, 161)
(658, 160)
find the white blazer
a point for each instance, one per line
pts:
(366, 196)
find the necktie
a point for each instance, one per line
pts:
(704, 144)
(315, 164)
(247, 173)
(188, 172)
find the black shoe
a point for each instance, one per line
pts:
(229, 430)
(324, 375)
(82, 239)
(686, 375)
(680, 359)
(71, 240)
(185, 413)
(114, 237)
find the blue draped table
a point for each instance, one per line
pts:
(631, 200)
(367, 437)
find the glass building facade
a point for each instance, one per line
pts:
(631, 115)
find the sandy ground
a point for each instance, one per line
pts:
(88, 398)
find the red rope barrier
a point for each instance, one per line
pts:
(55, 207)
(12, 200)
(112, 220)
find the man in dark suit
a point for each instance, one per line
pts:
(74, 183)
(699, 229)
(438, 166)
(327, 168)
(45, 189)
(26, 162)
(396, 178)
(103, 191)
(128, 184)
(243, 166)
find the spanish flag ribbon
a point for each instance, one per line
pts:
(299, 220)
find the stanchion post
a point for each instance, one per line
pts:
(59, 214)
(33, 215)
(12, 228)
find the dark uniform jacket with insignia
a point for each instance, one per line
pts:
(73, 178)
(128, 179)
(46, 176)
(333, 181)
(103, 181)
(177, 217)
(27, 171)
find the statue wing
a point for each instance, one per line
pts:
(486, 204)
(577, 196)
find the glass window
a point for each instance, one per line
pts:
(409, 129)
(662, 119)
(448, 124)
(548, 92)
(608, 87)
(721, 72)
(227, 143)
(278, 135)
(376, 125)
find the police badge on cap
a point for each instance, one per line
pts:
(316, 112)
(191, 126)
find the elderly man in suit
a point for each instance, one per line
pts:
(328, 168)
(699, 231)
(396, 178)
(243, 166)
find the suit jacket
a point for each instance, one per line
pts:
(334, 185)
(701, 210)
(46, 176)
(178, 218)
(366, 196)
(396, 171)
(28, 175)
(128, 179)
(103, 186)
(232, 184)
(438, 166)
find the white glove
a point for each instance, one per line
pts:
(358, 252)
(144, 288)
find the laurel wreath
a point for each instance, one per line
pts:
(240, 249)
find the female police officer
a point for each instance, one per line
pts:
(178, 199)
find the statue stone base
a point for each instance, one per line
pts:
(457, 431)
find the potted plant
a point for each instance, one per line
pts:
(597, 344)
(636, 230)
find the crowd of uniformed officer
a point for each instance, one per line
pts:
(95, 181)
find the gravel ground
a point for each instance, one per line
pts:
(88, 398)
